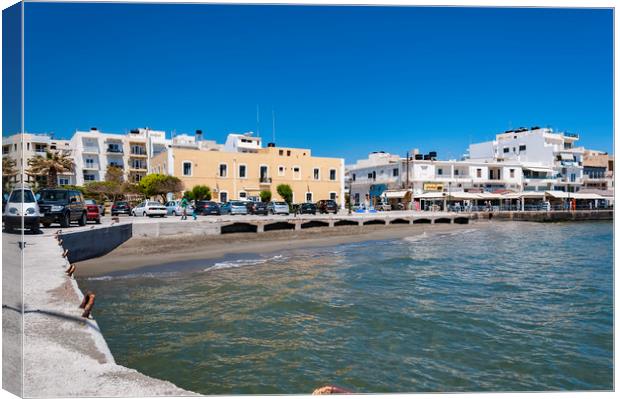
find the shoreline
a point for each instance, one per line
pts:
(140, 252)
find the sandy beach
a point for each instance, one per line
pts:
(140, 252)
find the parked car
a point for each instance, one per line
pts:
(175, 208)
(21, 203)
(120, 207)
(257, 208)
(234, 208)
(327, 206)
(205, 207)
(61, 206)
(307, 208)
(383, 206)
(278, 207)
(150, 209)
(93, 212)
(101, 207)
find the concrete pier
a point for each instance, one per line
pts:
(64, 354)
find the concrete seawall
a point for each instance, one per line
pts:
(95, 242)
(551, 216)
(66, 355)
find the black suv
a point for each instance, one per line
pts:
(307, 208)
(257, 208)
(61, 206)
(327, 206)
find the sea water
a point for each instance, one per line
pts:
(494, 307)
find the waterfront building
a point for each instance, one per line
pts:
(399, 179)
(23, 147)
(242, 167)
(598, 170)
(550, 160)
(94, 151)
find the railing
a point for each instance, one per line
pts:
(539, 177)
(264, 179)
(571, 134)
(91, 149)
(115, 150)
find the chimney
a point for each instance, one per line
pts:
(198, 135)
(93, 129)
(271, 144)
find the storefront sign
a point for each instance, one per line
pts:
(433, 186)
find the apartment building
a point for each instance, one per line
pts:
(242, 167)
(94, 151)
(399, 178)
(550, 160)
(23, 147)
(598, 170)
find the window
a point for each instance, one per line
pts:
(370, 176)
(63, 181)
(243, 195)
(317, 174)
(281, 170)
(296, 173)
(223, 196)
(308, 197)
(353, 177)
(440, 171)
(395, 172)
(374, 175)
(512, 173)
(506, 149)
(264, 174)
(89, 177)
(28, 146)
(281, 152)
(332, 174)
(478, 172)
(514, 149)
(187, 168)
(6, 149)
(242, 171)
(288, 153)
(522, 148)
(223, 170)
(332, 196)
(40, 147)
(89, 162)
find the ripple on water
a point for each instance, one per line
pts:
(501, 308)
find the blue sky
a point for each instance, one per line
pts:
(343, 81)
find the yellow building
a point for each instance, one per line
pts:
(241, 168)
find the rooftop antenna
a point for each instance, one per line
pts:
(257, 121)
(273, 131)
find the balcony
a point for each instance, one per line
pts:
(91, 166)
(90, 150)
(120, 166)
(265, 180)
(114, 151)
(137, 167)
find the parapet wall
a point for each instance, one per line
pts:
(552, 216)
(87, 244)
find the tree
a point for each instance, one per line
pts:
(265, 195)
(9, 171)
(286, 192)
(114, 174)
(199, 192)
(50, 166)
(158, 184)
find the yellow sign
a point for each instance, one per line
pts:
(433, 186)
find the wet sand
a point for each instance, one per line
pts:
(140, 252)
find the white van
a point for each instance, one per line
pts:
(21, 203)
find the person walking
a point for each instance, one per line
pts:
(184, 204)
(194, 211)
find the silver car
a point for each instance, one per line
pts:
(278, 207)
(175, 208)
(234, 208)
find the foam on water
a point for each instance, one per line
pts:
(243, 262)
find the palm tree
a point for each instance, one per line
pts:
(50, 166)
(8, 172)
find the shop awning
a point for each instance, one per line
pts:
(566, 157)
(559, 194)
(464, 195)
(488, 196)
(430, 195)
(395, 193)
(588, 196)
(538, 169)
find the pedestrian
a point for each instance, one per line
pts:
(194, 211)
(184, 204)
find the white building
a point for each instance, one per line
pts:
(94, 151)
(23, 147)
(550, 160)
(385, 173)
